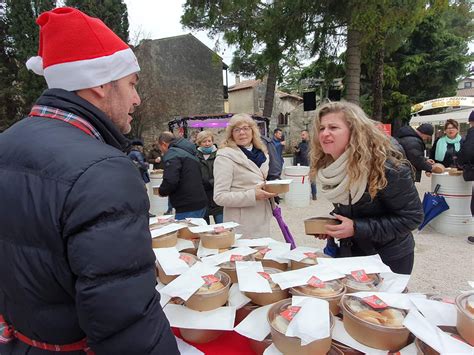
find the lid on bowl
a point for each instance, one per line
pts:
(362, 281)
(190, 259)
(233, 258)
(387, 317)
(320, 288)
(282, 316)
(311, 257)
(213, 283)
(266, 274)
(261, 251)
(465, 303)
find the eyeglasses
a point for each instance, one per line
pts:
(451, 127)
(246, 129)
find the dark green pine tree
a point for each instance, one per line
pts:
(112, 12)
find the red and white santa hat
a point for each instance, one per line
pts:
(77, 51)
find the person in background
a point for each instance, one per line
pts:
(446, 148)
(138, 158)
(155, 157)
(240, 170)
(302, 157)
(206, 152)
(182, 180)
(78, 270)
(370, 185)
(274, 165)
(279, 142)
(466, 161)
(413, 143)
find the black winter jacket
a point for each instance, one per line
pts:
(414, 148)
(466, 155)
(207, 172)
(182, 180)
(301, 155)
(75, 248)
(383, 225)
(275, 167)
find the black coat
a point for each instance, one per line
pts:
(75, 248)
(207, 172)
(451, 156)
(301, 155)
(466, 155)
(414, 148)
(182, 180)
(383, 225)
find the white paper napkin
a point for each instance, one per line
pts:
(152, 220)
(340, 334)
(279, 182)
(226, 255)
(185, 285)
(184, 244)
(170, 228)
(297, 254)
(277, 252)
(393, 282)
(249, 278)
(301, 277)
(211, 227)
(370, 264)
(164, 299)
(203, 252)
(186, 349)
(433, 336)
(218, 319)
(437, 313)
(236, 298)
(396, 300)
(257, 242)
(197, 221)
(169, 261)
(305, 325)
(272, 350)
(255, 325)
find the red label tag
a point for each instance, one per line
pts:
(265, 275)
(290, 312)
(210, 279)
(360, 275)
(236, 257)
(310, 255)
(219, 229)
(315, 282)
(263, 251)
(375, 302)
(188, 259)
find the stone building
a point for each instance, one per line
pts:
(179, 76)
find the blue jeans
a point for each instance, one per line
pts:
(218, 218)
(191, 214)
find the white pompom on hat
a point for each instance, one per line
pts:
(77, 51)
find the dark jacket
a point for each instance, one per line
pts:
(414, 148)
(301, 154)
(139, 160)
(182, 180)
(275, 166)
(75, 248)
(450, 158)
(207, 172)
(383, 225)
(466, 155)
(152, 155)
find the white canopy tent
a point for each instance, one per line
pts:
(461, 115)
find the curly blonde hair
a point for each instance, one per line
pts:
(237, 120)
(369, 148)
(204, 135)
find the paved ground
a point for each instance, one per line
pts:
(443, 264)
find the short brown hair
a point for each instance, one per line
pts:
(452, 123)
(166, 137)
(203, 135)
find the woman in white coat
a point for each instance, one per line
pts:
(240, 170)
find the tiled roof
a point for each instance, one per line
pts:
(284, 95)
(244, 85)
(465, 92)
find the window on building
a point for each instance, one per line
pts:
(283, 119)
(467, 84)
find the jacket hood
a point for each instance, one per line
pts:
(184, 144)
(407, 131)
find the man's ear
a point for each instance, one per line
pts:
(99, 91)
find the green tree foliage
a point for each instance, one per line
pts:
(113, 12)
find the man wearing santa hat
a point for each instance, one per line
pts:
(77, 271)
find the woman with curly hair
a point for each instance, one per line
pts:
(370, 184)
(240, 170)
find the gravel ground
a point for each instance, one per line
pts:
(443, 264)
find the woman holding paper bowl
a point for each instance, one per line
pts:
(240, 170)
(370, 185)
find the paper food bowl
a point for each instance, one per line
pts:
(165, 241)
(465, 320)
(277, 188)
(332, 292)
(185, 233)
(265, 298)
(292, 345)
(229, 268)
(437, 168)
(360, 321)
(200, 336)
(218, 240)
(259, 256)
(211, 295)
(192, 250)
(166, 279)
(352, 285)
(243, 312)
(317, 225)
(424, 349)
(310, 260)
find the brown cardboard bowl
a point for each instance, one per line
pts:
(230, 270)
(220, 240)
(424, 349)
(352, 286)
(269, 263)
(212, 300)
(259, 347)
(192, 250)
(166, 279)
(295, 265)
(185, 233)
(373, 335)
(343, 349)
(332, 299)
(292, 345)
(265, 298)
(200, 336)
(455, 173)
(465, 320)
(277, 188)
(165, 241)
(317, 225)
(244, 311)
(437, 168)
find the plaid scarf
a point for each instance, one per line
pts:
(57, 114)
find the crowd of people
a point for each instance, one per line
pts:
(78, 270)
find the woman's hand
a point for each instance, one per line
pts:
(343, 230)
(261, 194)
